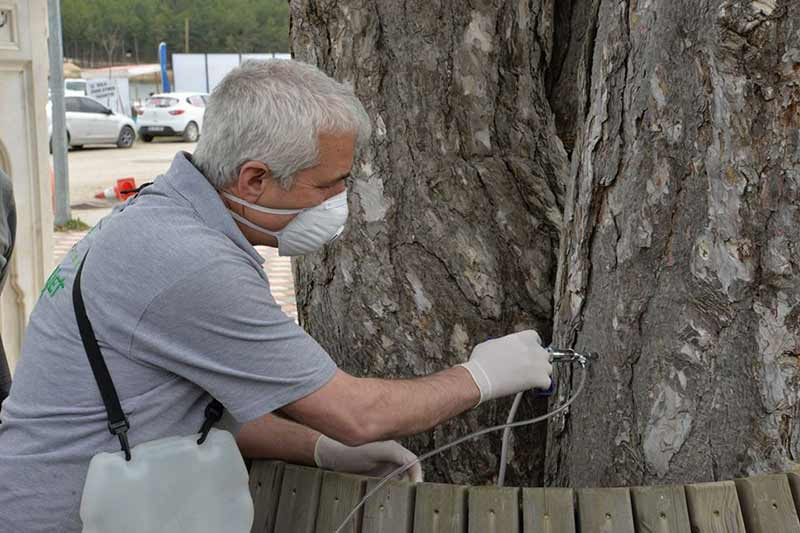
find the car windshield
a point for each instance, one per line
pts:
(75, 85)
(161, 101)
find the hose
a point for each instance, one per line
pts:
(501, 476)
(402, 469)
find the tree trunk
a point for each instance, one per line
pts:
(455, 204)
(678, 256)
(680, 261)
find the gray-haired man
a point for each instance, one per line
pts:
(182, 310)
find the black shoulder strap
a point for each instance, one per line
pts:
(117, 421)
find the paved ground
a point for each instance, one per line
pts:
(95, 168)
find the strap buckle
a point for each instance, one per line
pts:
(120, 429)
(213, 413)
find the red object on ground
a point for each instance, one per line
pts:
(121, 191)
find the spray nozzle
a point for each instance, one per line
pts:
(558, 355)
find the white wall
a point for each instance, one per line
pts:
(23, 155)
(189, 72)
(202, 72)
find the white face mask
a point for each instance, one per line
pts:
(309, 231)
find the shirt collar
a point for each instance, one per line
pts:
(189, 183)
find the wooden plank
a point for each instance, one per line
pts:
(660, 509)
(298, 502)
(793, 476)
(605, 510)
(440, 508)
(265, 488)
(339, 495)
(548, 511)
(390, 510)
(767, 504)
(714, 508)
(493, 510)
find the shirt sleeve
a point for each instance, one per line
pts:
(220, 328)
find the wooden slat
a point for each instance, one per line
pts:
(265, 488)
(660, 508)
(605, 510)
(440, 508)
(493, 510)
(548, 511)
(793, 476)
(390, 510)
(714, 508)
(339, 495)
(767, 504)
(297, 506)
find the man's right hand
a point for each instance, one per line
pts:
(510, 364)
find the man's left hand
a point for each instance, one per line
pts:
(374, 459)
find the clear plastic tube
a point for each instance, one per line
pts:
(402, 469)
(501, 476)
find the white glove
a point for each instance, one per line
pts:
(376, 459)
(510, 364)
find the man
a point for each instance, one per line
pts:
(182, 310)
(8, 227)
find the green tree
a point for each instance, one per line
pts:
(118, 26)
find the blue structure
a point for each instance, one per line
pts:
(162, 53)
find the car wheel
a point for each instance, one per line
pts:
(146, 138)
(126, 137)
(191, 133)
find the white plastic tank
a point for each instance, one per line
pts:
(171, 485)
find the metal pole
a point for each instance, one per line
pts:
(162, 53)
(58, 113)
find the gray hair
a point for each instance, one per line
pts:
(273, 111)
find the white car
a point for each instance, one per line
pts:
(173, 114)
(90, 122)
(75, 87)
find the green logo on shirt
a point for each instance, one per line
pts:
(54, 283)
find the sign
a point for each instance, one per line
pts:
(112, 93)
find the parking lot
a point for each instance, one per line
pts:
(93, 168)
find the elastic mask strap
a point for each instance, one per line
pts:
(252, 225)
(260, 208)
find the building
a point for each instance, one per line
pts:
(24, 156)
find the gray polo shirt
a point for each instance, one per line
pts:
(181, 308)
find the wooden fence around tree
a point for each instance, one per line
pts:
(297, 499)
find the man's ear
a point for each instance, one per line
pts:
(253, 178)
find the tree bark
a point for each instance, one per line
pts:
(680, 260)
(455, 204)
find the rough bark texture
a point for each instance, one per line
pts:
(680, 261)
(455, 205)
(570, 66)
